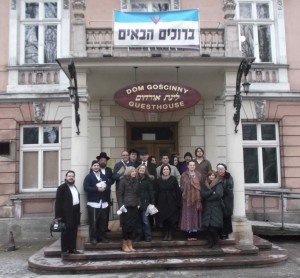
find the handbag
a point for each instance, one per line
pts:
(57, 226)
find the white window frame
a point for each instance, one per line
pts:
(126, 4)
(39, 148)
(254, 21)
(41, 22)
(260, 144)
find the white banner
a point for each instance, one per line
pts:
(157, 29)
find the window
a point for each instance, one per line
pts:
(40, 157)
(150, 6)
(261, 154)
(40, 26)
(256, 27)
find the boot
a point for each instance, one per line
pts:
(210, 241)
(129, 244)
(125, 247)
(170, 236)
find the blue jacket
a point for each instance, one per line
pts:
(93, 195)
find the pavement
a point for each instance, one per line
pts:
(14, 264)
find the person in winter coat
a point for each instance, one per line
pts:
(97, 188)
(190, 220)
(67, 209)
(168, 201)
(212, 217)
(146, 196)
(128, 197)
(227, 182)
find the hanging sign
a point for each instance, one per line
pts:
(157, 29)
(157, 97)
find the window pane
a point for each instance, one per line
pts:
(249, 132)
(30, 170)
(51, 10)
(251, 165)
(50, 50)
(139, 7)
(32, 10)
(50, 168)
(247, 45)
(31, 44)
(31, 135)
(268, 132)
(270, 165)
(262, 10)
(160, 7)
(245, 10)
(264, 41)
(51, 134)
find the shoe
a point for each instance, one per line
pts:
(93, 241)
(148, 239)
(108, 230)
(125, 247)
(65, 253)
(104, 240)
(165, 238)
(75, 252)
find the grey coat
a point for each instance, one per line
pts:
(212, 206)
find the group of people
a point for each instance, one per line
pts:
(188, 195)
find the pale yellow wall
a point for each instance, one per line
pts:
(4, 8)
(291, 14)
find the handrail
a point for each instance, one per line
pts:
(274, 193)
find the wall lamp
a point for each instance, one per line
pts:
(244, 68)
(73, 92)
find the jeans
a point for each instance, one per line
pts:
(146, 226)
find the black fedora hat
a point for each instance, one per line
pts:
(103, 154)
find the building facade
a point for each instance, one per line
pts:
(42, 135)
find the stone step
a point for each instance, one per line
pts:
(221, 258)
(160, 252)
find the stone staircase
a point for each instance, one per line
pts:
(158, 254)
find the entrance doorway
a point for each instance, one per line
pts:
(156, 138)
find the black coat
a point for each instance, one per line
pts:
(212, 215)
(228, 194)
(146, 192)
(127, 193)
(168, 200)
(64, 206)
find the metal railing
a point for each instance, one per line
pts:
(281, 194)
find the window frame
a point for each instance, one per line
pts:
(255, 22)
(40, 148)
(260, 144)
(149, 4)
(41, 22)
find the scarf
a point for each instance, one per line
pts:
(191, 191)
(211, 184)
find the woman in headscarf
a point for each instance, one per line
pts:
(227, 182)
(128, 197)
(190, 220)
(212, 217)
(168, 200)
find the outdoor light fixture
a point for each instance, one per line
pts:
(73, 92)
(244, 68)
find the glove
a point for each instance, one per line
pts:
(121, 210)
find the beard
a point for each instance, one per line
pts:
(70, 182)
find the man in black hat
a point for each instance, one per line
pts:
(107, 172)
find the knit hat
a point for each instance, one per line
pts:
(188, 154)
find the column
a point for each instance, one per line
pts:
(242, 228)
(210, 131)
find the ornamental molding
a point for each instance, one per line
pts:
(260, 108)
(39, 111)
